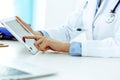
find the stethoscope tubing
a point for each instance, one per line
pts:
(114, 9)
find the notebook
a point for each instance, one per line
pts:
(17, 29)
(23, 71)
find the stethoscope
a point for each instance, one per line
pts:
(111, 16)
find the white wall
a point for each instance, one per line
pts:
(39, 14)
(6, 9)
(57, 11)
(52, 13)
(48, 13)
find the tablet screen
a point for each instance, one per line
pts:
(18, 29)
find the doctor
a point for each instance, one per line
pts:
(98, 21)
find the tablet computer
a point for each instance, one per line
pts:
(18, 30)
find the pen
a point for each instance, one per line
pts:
(3, 45)
(79, 29)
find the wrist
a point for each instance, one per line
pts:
(66, 47)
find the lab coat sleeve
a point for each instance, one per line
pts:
(107, 47)
(100, 48)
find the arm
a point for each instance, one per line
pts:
(45, 43)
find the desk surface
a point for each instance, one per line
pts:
(67, 67)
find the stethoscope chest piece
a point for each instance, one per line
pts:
(110, 17)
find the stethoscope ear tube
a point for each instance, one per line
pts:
(114, 9)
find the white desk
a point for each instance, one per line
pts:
(67, 67)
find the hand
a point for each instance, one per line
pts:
(45, 43)
(27, 26)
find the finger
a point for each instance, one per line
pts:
(31, 37)
(46, 49)
(38, 43)
(41, 44)
(44, 46)
(26, 37)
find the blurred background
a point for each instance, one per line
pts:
(39, 13)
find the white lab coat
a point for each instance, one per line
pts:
(103, 39)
